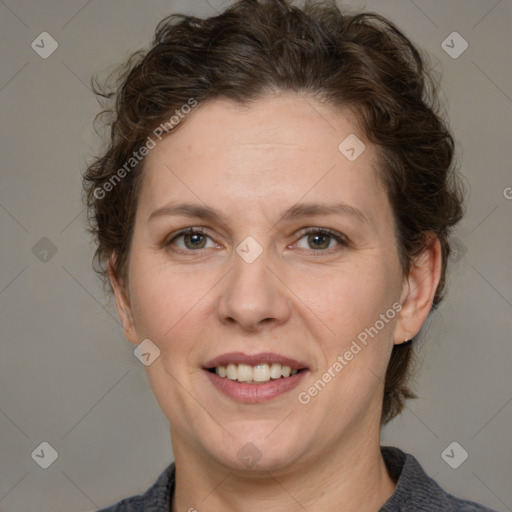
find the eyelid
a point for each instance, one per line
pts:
(342, 239)
(339, 237)
(324, 231)
(185, 231)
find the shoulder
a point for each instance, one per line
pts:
(415, 490)
(157, 498)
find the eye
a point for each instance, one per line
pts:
(191, 239)
(320, 239)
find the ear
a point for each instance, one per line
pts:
(418, 291)
(122, 297)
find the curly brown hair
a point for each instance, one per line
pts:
(359, 61)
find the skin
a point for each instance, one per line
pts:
(295, 299)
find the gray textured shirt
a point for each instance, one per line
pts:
(415, 491)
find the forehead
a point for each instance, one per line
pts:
(285, 121)
(282, 148)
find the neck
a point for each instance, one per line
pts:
(351, 478)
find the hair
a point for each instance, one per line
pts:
(356, 61)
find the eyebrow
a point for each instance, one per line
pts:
(297, 211)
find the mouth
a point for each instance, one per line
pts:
(262, 372)
(254, 378)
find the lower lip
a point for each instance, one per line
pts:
(254, 393)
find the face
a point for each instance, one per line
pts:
(288, 258)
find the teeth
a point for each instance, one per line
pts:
(275, 371)
(231, 372)
(244, 373)
(259, 373)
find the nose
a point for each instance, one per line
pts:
(253, 297)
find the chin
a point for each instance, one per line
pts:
(260, 450)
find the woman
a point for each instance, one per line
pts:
(272, 215)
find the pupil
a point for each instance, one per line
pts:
(315, 238)
(195, 240)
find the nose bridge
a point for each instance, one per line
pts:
(252, 295)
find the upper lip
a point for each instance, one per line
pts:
(254, 359)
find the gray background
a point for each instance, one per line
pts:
(68, 377)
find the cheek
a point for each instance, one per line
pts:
(350, 298)
(357, 306)
(166, 304)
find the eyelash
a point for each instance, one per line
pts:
(341, 239)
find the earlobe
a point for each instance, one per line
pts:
(418, 291)
(121, 295)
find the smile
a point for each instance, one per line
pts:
(263, 372)
(254, 378)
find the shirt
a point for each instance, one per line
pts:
(414, 492)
